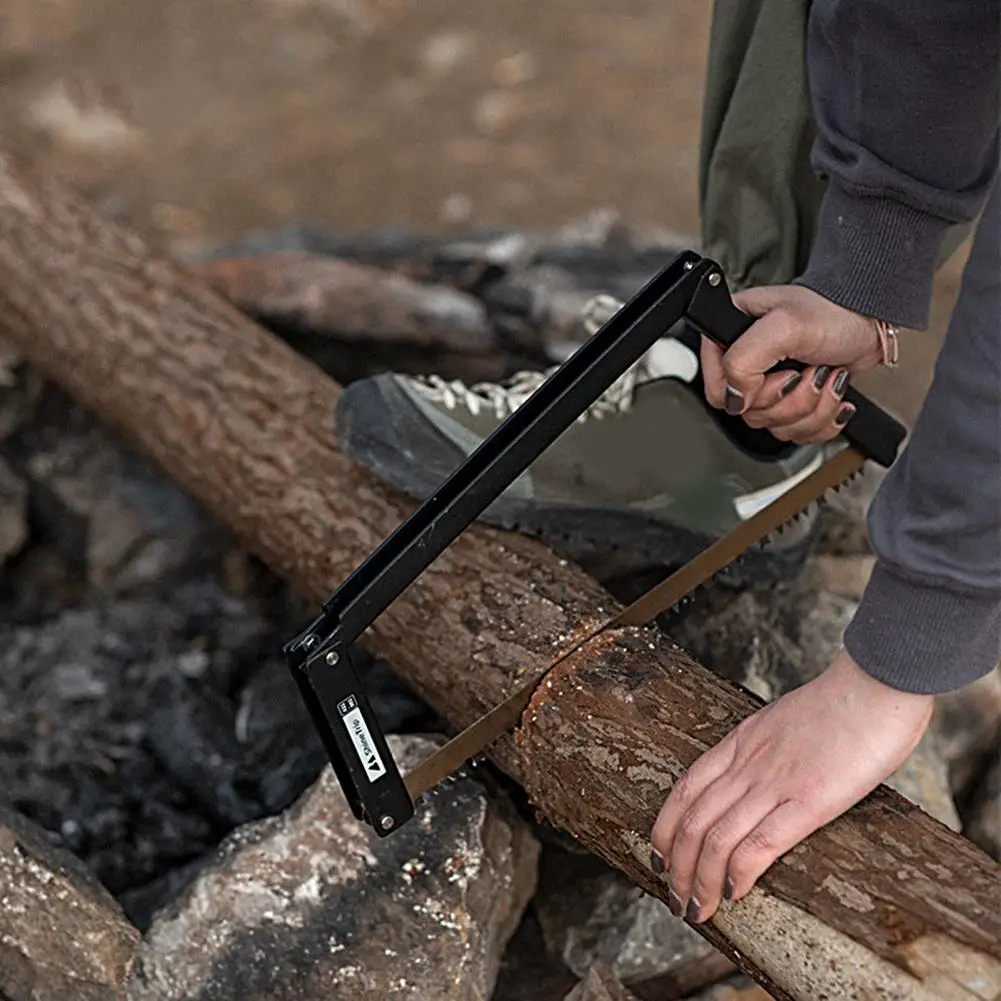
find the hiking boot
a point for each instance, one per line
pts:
(646, 478)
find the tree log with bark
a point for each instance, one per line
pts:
(883, 902)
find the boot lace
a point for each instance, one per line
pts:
(505, 397)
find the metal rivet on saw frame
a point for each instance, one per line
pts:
(386, 822)
(332, 658)
(714, 279)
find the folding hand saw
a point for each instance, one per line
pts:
(690, 288)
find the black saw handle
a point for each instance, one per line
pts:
(874, 432)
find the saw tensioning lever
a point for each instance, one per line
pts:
(690, 288)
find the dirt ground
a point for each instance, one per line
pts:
(197, 120)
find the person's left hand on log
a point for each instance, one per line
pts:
(781, 774)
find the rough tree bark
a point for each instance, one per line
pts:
(883, 903)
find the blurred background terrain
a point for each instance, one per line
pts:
(195, 121)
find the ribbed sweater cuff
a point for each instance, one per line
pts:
(919, 638)
(875, 256)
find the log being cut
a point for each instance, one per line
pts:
(882, 903)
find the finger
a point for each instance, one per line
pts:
(761, 299)
(706, 769)
(825, 433)
(777, 387)
(712, 372)
(709, 884)
(775, 337)
(823, 423)
(779, 832)
(814, 397)
(810, 406)
(697, 821)
(796, 401)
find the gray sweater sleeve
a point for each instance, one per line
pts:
(906, 97)
(930, 618)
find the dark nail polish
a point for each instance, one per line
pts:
(674, 904)
(728, 889)
(656, 862)
(733, 402)
(791, 384)
(840, 383)
(821, 377)
(692, 911)
(844, 415)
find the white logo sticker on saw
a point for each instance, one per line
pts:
(361, 737)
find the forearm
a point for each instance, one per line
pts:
(905, 97)
(930, 619)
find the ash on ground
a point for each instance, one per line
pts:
(145, 710)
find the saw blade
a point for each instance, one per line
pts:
(503, 717)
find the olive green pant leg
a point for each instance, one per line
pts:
(758, 195)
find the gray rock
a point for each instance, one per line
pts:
(737, 989)
(844, 576)
(843, 524)
(600, 984)
(924, 779)
(20, 388)
(348, 301)
(13, 514)
(768, 639)
(105, 508)
(192, 735)
(61, 934)
(311, 904)
(983, 816)
(67, 481)
(604, 226)
(589, 913)
(968, 724)
(10, 360)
